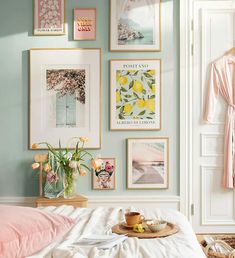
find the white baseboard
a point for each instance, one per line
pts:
(172, 202)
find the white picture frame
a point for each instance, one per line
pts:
(147, 163)
(65, 92)
(135, 25)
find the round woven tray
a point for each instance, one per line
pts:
(170, 229)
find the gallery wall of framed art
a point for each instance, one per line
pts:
(66, 98)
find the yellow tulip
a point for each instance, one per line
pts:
(152, 72)
(150, 105)
(128, 108)
(137, 86)
(83, 139)
(140, 103)
(118, 97)
(123, 80)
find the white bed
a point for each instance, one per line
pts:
(98, 221)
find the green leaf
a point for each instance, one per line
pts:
(147, 75)
(152, 113)
(131, 84)
(83, 165)
(135, 73)
(144, 91)
(121, 117)
(149, 117)
(128, 96)
(126, 100)
(153, 81)
(142, 113)
(123, 89)
(136, 95)
(150, 85)
(152, 97)
(122, 109)
(117, 107)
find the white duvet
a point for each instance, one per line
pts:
(99, 221)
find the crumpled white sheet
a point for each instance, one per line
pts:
(100, 220)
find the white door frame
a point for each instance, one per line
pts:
(186, 128)
(185, 107)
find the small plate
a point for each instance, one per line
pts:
(123, 224)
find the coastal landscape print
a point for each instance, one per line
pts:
(137, 25)
(148, 163)
(67, 88)
(135, 94)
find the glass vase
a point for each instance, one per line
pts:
(70, 182)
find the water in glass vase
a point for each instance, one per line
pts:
(70, 182)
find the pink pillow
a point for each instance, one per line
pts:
(25, 231)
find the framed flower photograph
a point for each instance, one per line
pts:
(147, 163)
(135, 25)
(84, 24)
(65, 91)
(49, 17)
(135, 89)
(104, 174)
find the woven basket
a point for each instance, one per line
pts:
(226, 241)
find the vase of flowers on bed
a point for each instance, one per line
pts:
(64, 166)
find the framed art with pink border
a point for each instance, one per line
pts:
(84, 24)
(49, 17)
(104, 177)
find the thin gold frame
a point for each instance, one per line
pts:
(49, 33)
(111, 101)
(93, 9)
(135, 50)
(115, 177)
(29, 96)
(127, 158)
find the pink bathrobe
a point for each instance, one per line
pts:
(222, 81)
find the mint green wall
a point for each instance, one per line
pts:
(16, 22)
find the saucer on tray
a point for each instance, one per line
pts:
(123, 224)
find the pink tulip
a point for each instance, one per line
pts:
(35, 166)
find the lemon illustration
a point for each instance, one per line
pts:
(117, 76)
(128, 108)
(138, 228)
(153, 88)
(118, 97)
(150, 105)
(152, 72)
(123, 80)
(137, 86)
(140, 103)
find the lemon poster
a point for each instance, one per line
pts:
(135, 94)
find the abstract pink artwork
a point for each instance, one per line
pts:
(85, 24)
(49, 17)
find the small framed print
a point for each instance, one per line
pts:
(65, 96)
(135, 25)
(147, 163)
(104, 177)
(49, 17)
(85, 24)
(135, 88)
